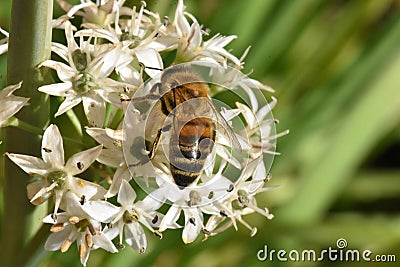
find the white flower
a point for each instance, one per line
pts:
(3, 42)
(241, 200)
(53, 175)
(111, 155)
(103, 13)
(131, 216)
(85, 79)
(191, 46)
(10, 104)
(193, 201)
(76, 225)
(137, 34)
(261, 129)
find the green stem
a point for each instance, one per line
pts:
(15, 122)
(118, 117)
(29, 45)
(75, 122)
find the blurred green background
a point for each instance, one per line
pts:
(335, 66)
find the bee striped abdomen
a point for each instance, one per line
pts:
(189, 150)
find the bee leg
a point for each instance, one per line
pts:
(157, 140)
(153, 95)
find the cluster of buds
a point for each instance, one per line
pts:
(117, 57)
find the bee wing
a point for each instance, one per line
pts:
(155, 119)
(151, 113)
(223, 124)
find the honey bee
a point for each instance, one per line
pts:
(194, 120)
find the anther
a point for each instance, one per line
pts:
(158, 234)
(155, 219)
(230, 188)
(83, 199)
(57, 227)
(89, 240)
(91, 229)
(80, 165)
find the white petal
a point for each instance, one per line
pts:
(112, 232)
(191, 231)
(111, 157)
(154, 200)
(3, 48)
(68, 103)
(55, 240)
(121, 174)
(37, 192)
(95, 109)
(58, 196)
(69, 34)
(229, 114)
(182, 25)
(163, 43)
(265, 110)
(252, 83)
(60, 50)
(79, 162)
(106, 137)
(10, 106)
(195, 36)
(248, 114)
(260, 172)
(76, 8)
(99, 33)
(31, 165)
(224, 153)
(135, 237)
(33, 188)
(152, 59)
(126, 194)
(130, 75)
(58, 89)
(252, 96)
(101, 211)
(102, 241)
(64, 72)
(88, 189)
(110, 60)
(170, 218)
(7, 91)
(61, 217)
(52, 147)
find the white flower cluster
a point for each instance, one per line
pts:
(103, 66)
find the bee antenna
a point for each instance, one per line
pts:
(143, 66)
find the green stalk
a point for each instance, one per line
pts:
(29, 45)
(370, 118)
